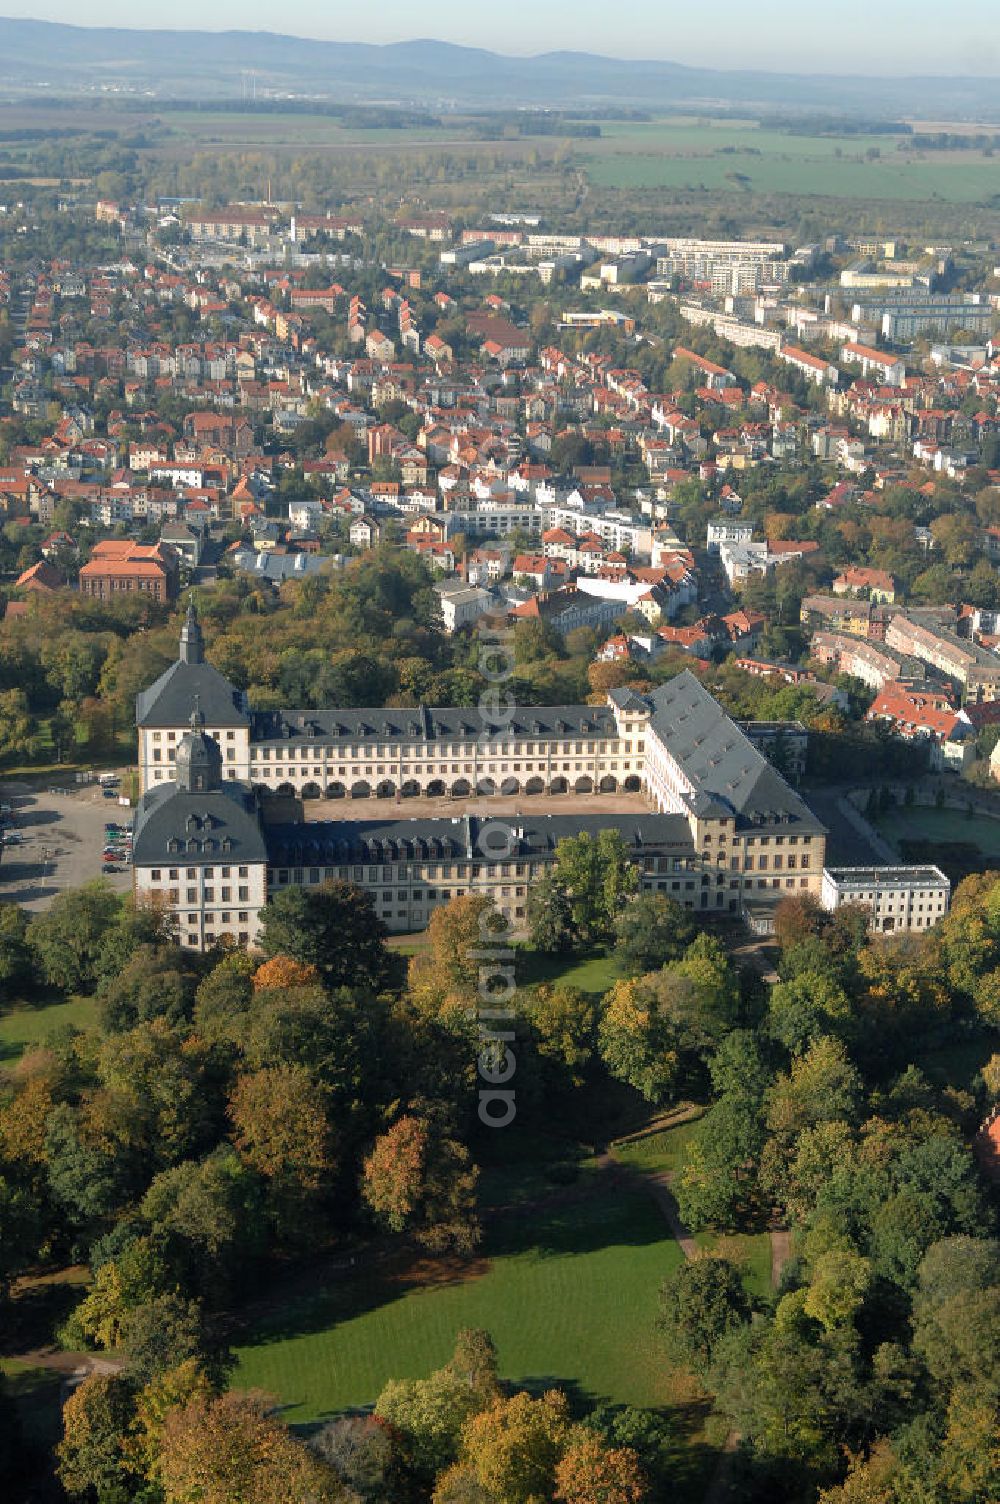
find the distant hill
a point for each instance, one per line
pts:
(61, 58)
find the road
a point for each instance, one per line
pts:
(847, 844)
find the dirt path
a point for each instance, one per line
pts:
(658, 1187)
(72, 1366)
(781, 1248)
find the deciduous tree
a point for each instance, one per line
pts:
(334, 928)
(419, 1180)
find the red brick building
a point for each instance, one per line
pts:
(118, 565)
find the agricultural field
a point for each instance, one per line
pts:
(742, 157)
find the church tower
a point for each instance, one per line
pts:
(192, 642)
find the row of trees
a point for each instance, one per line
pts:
(458, 1436)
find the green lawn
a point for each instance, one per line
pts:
(35, 1392)
(663, 1150)
(719, 156)
(570, 1298)
(521, 1165)
(751, 1251)
(593, 974)
(22, 1026)
(919, 823)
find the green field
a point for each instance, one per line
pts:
(228, 128)
(593, 974)
(664, 1150)
(22, 1026)
(916, 823)
(569, 1299)
(741, 157)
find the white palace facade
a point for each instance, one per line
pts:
(723, 830)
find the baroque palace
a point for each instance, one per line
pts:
(724, 831)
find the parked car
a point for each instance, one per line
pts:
(12, 838)
(109, 793)
(109, 867)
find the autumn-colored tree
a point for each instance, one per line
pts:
(991, 1075)
(284, 971)
(93, 1459)
(869, 1479)
(514, 1446)
(218, 1451)
(637, 1042)
(604, 677)
(457, 935)
(590, 1472)
(280, 1127)
(167, 1392)
(796, 917)
(428, 1414)
(23, 1119)
(418, 1180)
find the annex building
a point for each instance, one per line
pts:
(723, 830)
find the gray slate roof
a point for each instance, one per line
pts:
(729, 774)
(221, 825)
(170, 699)
(428, 724)
(340, 842)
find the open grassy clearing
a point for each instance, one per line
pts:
(23, 1026)
(570, 1298)
(593, 974)
(750, 1251)
(660, 1152)
(693, 137)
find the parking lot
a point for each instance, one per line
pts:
(62, 838)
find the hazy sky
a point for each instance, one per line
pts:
(857, 36)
